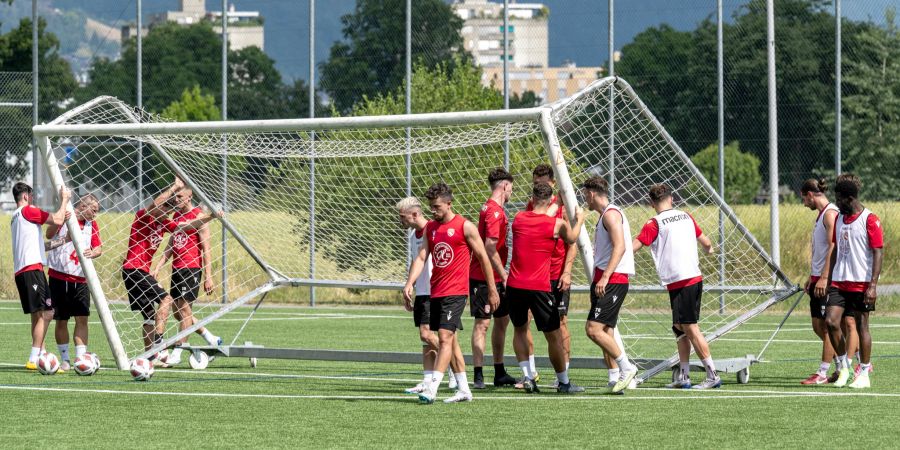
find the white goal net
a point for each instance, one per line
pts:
(310, 201)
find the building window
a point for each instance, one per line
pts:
(561, 93)
(511, 28)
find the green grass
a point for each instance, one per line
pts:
(313, 404)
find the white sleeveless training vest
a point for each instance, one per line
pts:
(423, 283)
(27, 244)
(603, 245)
(675, 248)
(820, 240)
(63, 258)
(854, 257)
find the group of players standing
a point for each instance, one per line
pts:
(456, 261)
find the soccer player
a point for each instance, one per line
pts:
(146, 234)
(68, 287)
(672, 236)
(451, 241)
(191, 261)
(812, 193)
(855, 268)
(613, 263)
(492, 228)
(28, 262)
(528, 288)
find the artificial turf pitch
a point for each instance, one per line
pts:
(316, 404)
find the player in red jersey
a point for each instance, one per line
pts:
(492, 227)
(146, 234)
(529, 289)
(191, 261)
(451, 241)
(855, 268)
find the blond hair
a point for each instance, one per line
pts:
(407, 204)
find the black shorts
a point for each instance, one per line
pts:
(685, 303)
(143, 291)
(817, 305)
(422, 310)
(446, 312)
(541, 304)
(478, 300)
(33, 291)
(70, 299)
(852, 302)
(186, 284)
(605, 309)
(560, 298)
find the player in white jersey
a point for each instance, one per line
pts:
(68, 287)
(412, 218)
(613, 263)
(812, 192)
(28, 262)
(855, 268)
(672, 236)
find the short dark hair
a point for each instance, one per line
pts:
(20, 189)
(439, 190)
(543, 170)
(659, 192)
(847, 185)
(817, 186)
(596, 184)
(541, 192)
(495, 176)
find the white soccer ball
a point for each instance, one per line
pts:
(47, 363)
(141, 369)
(95, 359)
(84, 365)
(198, 360)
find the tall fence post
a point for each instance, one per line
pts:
(224, 148)
(612, 100)
(139, 85)
(837, 87)
(408, 96)
(774, 238)
(312, 161)
(35, 53)
(506, 80)
(720, 82)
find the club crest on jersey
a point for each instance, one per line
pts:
(496, 214)
(180, 240)
(451, 232)
(442, 255)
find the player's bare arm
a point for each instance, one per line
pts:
(167, 254)
(199, 222)
(490, 246)
(61, 215)
(706, 243)
(206, 259)
(872, 292)
(415, 269)
(612, 221)
(157, 208)
(636, 244)
(822, 284)
(473, 239)
(567, 233)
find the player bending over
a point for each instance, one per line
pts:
(191, 261)
(855, 268)
(68, 287)
(672, 236)
(451, 241)
(613, 263)
(529, 289)
(28, 262)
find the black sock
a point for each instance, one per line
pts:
(478, 374)
(499, 370)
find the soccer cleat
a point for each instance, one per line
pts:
(30, 366)
(569, 388)
(460, 396)
(64, 366)
(478, 384)
(834, 376)
(554, 384)
(815, 379)
(174, 359)
(709, 383)
(427, 396)
(610, 384)
(859, 367)
(520, 384)
(419, 388)
(861, 382)
(624, 381)
(842, 378)
(504, 380)
(530, 386)
(681, 383)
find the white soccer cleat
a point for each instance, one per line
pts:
(861, 382)
(427, 396)
(174, 359)
(843, 377)
(419, 388)
(681, 383)
(624, 381)
(459, 396)
(709, 383)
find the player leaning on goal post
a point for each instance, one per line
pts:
(412, 217)
(451, 240)
(68, 287)
(855, 268)
(672, 236)
(28, 262)
(528, 288)
(613, 263)
(812, 192)
(492, 228)
(191, 262)
(146, 234)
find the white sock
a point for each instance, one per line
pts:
(462, 382)
(428, 376)
(210, 338)
(849, 363)
(526, 370)
(567, 365)
(710, 367)
(563, 377)
(80, 350)
(624, 364)
(176, 353)
(614, 374)
(864, 369)
(436, 381)
(35, 352)
(63, 351)
(857, 356)
(686, 370)
(842, 362)
(823, 368)
(531, 366)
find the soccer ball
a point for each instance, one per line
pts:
(47, 363)
(95, 359)
(141, 369)
(85, 365)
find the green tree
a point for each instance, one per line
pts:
(371, 60)
(742, 178)
(194, 106)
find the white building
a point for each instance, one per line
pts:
(482, 32)
(245, 28)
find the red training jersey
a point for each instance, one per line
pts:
(492, 223)
(533, 242)
(146, 235)
(186, 244)
(450, 257)
(558, 258)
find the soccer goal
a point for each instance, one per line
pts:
(309, 202)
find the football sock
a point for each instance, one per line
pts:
(176, 354)
(531, 366)
(710, 367)
(864, 369)
(614, 375)
(842, 362)
(63, 352)
(80, 350)
(567, 365)
(686, 370)
(479, 373)
(35, 352)
(210, 338)
(499, 370)
(428, 376)
(462, 382)
(563, 377)
(438, 377)
(623, 363)
(525, 369)
(823, 368)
